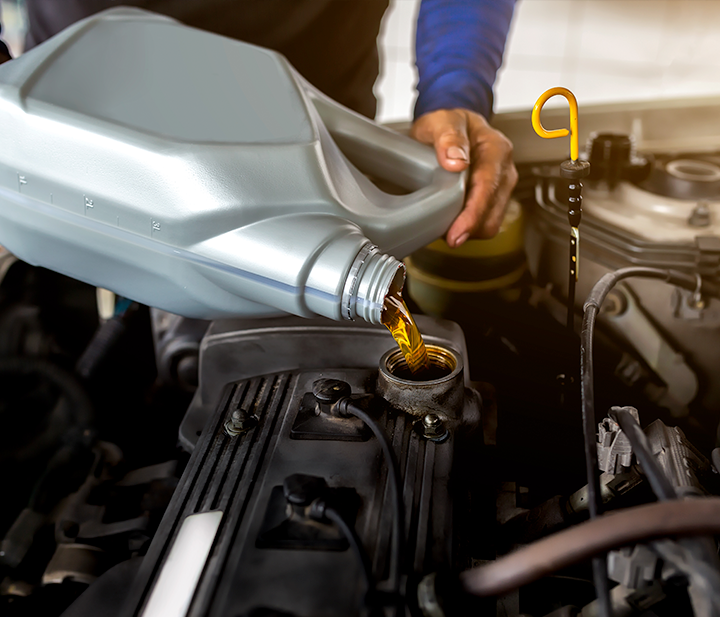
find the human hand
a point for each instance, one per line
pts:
(463, 139)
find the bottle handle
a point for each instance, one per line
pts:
(389, 155)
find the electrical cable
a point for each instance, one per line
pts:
(354, 540)
(591, 308)
(694, 517)
(346, 406)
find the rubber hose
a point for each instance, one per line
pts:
(578, 544)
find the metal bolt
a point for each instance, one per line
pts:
(433, 428)
(701, 215)
(431, 421)
(240, 422)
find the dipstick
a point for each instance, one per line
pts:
(572, 170)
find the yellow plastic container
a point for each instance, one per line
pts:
(439, 276)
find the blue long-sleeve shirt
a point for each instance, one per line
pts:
(459, 48)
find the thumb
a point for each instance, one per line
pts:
(453, 150)
(447, 132)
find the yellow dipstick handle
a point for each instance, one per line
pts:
(573, 132)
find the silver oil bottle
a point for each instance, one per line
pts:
(204, 176)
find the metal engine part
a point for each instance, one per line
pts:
(614, 449)
(673, 331)
(259, 552)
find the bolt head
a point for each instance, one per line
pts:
(240, 421)
(433, 428)
(431, 420)
(238, 415)
(701, 216)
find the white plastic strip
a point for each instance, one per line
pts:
(179, 577)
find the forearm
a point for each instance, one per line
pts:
(459, 48)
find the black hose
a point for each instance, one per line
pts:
(72, 408)
(599, 562)
(346, 406)
(354, 540)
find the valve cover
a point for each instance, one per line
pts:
(251, 556)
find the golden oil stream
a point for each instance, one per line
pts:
(396, 318)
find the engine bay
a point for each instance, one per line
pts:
(550, 453)
(289, 470)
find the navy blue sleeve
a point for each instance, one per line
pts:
(459, 48)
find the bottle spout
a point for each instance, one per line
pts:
(371, 278)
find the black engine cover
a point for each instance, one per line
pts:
(261, 564)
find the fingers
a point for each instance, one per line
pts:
(491, 181)
(464, 139)
(446, 130)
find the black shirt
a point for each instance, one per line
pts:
(332, 43)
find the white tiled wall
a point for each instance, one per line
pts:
(611, 50)
(395, 87)
(12, 19)
(603, 50)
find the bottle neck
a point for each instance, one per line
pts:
(371, 277)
